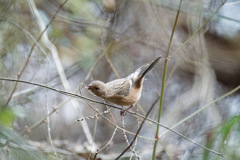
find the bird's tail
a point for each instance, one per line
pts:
(135, 74)
(152, 64)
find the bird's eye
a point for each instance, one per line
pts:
(96, 88)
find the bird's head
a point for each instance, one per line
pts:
(98, 88)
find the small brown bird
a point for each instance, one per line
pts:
(124, 91)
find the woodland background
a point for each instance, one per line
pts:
(64, 45)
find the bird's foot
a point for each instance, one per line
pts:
(123, 113)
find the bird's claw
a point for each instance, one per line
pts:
(123, 113)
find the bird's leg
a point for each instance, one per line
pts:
(124, 112)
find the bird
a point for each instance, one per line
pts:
(124, 91)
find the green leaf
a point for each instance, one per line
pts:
(6, 116)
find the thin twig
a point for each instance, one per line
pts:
(91, 71)
(164, 80)
(139, 129)
(3, 55)
(94, 116)
(30, 53)
(86, 78)
(113, 106)
(106, 53)
(110, 140)
(107, 50)
(204, 107)
(126, 139)
(94, 135)
(111, 65)
(61, 104)
(195, 33)
(59, 66)
(134, 147)
(115, 125)
(26, 32)
(49, 133)
(42, 120)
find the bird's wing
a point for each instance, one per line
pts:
(133, 76)
(120, 87)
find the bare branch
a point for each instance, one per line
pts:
(31, 51)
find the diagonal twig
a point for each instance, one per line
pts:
(30, 53)
(113, 106)
(139, 129)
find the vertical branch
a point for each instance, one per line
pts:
(134, 147)
(164, 80)
(195, 33)
(214, 101)
(126, 139)
(49, 132)
(94, 135)
(139, 129)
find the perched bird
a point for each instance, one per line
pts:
(124, 91)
